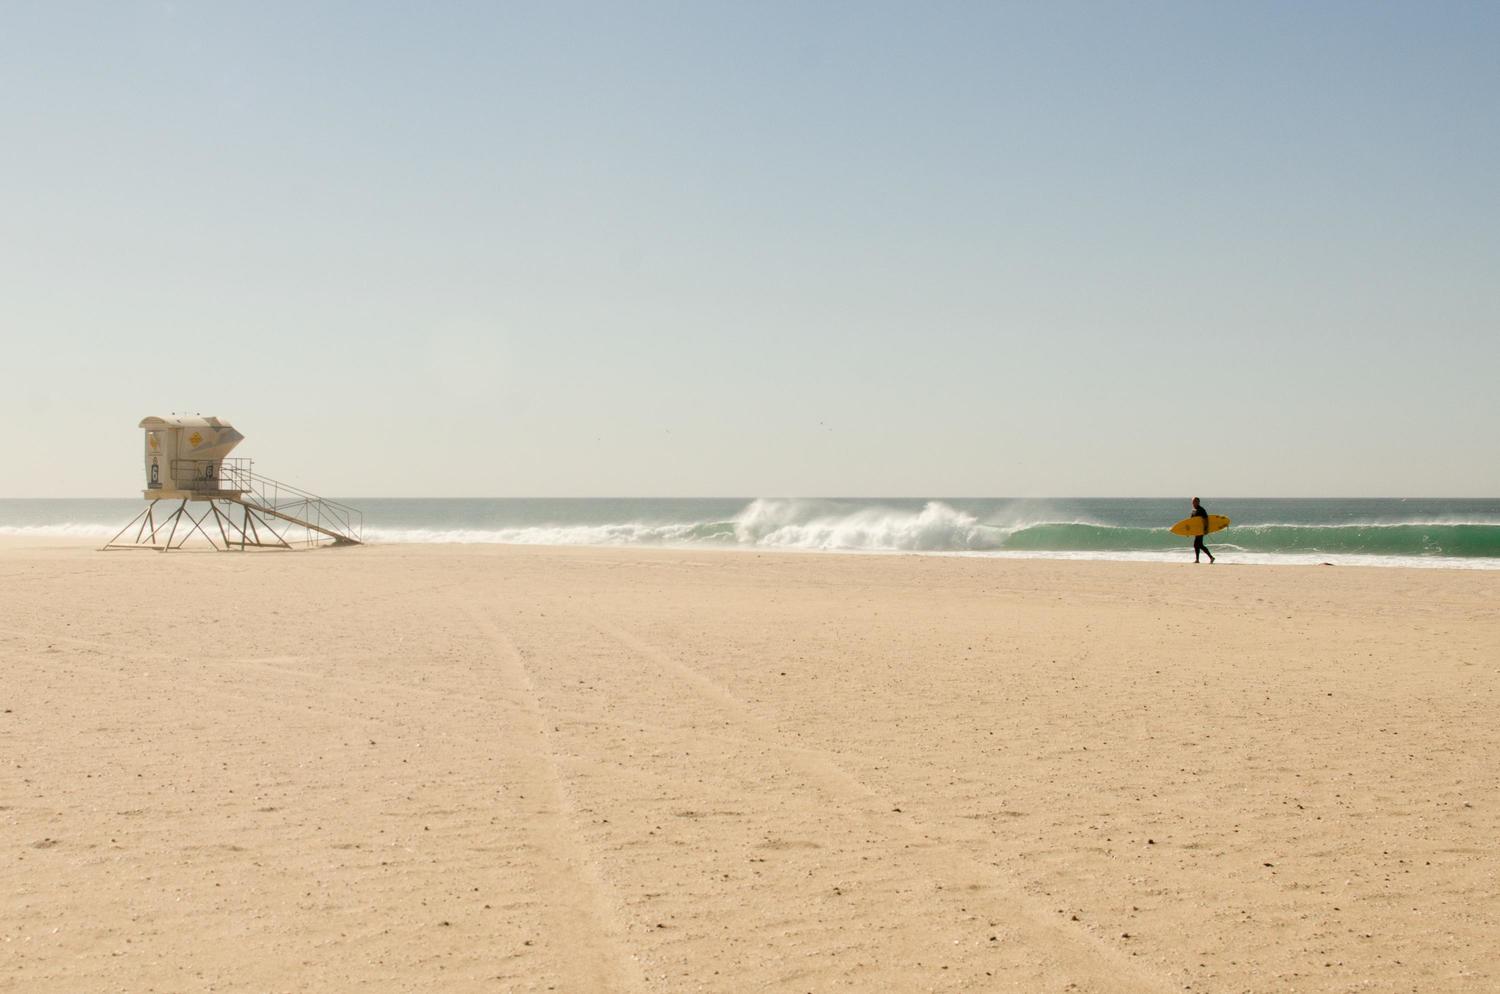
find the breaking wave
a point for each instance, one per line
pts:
(791, 524)
(830, 526)
(770, 524)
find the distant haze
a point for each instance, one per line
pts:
(757, 249)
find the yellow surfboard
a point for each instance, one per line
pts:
(1193, 527)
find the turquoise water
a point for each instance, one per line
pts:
(1426, 531)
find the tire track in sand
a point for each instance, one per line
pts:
(589, 932)
(1087, 961)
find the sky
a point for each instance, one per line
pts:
(730, 249)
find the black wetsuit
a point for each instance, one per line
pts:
(1198, 547)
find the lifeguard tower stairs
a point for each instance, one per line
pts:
(194, 494)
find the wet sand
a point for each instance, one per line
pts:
(510, 769)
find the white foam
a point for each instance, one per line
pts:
(629, 533)
(795, 524)
(69, 529)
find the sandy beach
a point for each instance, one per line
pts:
(486, 768)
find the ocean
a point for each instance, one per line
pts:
(1461, 533)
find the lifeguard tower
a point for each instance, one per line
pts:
(223, 501)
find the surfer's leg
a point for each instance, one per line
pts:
(1197, 547)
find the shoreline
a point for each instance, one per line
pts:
(22, 542)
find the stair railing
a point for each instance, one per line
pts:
(283, 498)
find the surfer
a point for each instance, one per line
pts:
(1198, 546)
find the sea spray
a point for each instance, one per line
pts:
(790, 524)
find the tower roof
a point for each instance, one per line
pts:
(183, 421)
